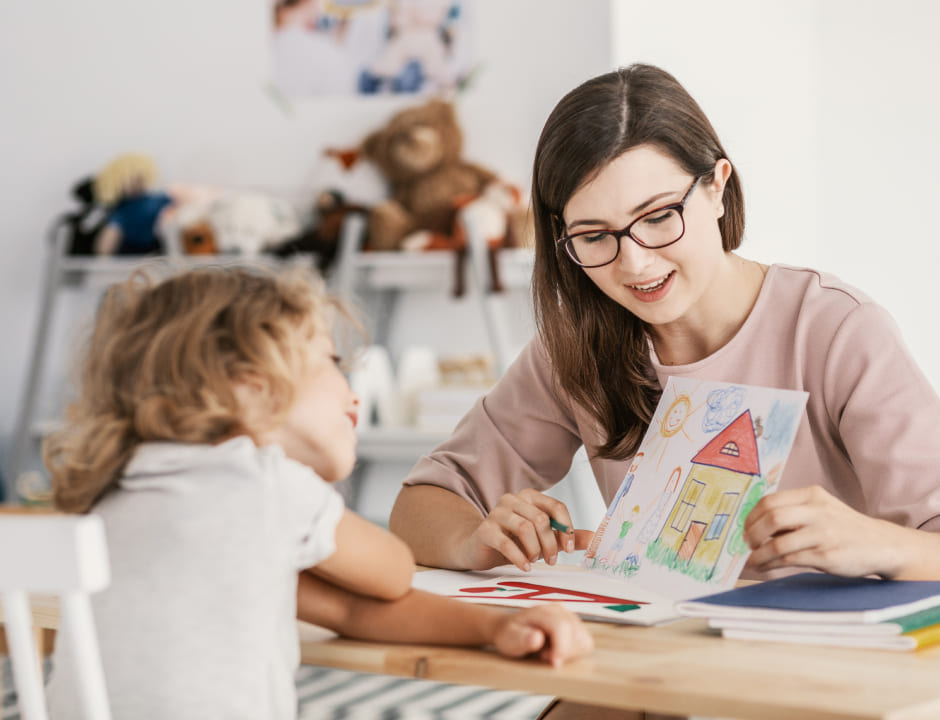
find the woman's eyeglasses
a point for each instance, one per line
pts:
(656, 229)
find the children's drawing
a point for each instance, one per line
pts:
(678, 531)
(522, 590)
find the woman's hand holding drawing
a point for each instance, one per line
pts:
(809, 527)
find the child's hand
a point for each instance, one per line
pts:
(556, 634)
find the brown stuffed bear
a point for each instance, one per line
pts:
(419, 154)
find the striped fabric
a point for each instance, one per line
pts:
(327, 694)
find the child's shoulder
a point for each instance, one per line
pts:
(153, 459)
(235, 465)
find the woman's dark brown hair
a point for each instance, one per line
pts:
(598, 350)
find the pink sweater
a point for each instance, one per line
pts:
(869, 435)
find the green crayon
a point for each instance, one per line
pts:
(558, 526)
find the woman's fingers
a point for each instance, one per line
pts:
(493, 536)
(551, 509)
(582, 539)
(519, 528)
(808, 527)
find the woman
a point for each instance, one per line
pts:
(638, 212)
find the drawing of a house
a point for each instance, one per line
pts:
(702, 517)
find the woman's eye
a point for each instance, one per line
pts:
(594, 237)
(658, 218)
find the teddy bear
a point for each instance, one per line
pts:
(419, 154)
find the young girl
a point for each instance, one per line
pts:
(211, 419)
(638, 213)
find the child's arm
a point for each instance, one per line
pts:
(419, 617)
(368, 560)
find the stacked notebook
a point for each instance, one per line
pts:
(821, 609)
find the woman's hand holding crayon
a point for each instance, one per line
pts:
(520, 529)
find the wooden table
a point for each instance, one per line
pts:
(682, 669)
(678, 668)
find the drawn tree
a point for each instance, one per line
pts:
(736, 544)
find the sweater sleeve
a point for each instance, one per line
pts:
(886, 414)
(520, 435)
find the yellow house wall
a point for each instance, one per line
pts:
(718, 481)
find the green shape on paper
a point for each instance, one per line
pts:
(622, 608)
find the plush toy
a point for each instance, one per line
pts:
(322, 235)
(248, 222)
(84, 224)
(198, 238)
(127, 186)
(497, 218)
(418, 152)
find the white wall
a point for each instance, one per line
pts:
(184, 81)
(830, 109)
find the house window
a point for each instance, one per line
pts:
(725, 507)
(687, 504)
(731, 448)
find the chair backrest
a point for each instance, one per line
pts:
(65, 556)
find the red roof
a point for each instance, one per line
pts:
(734, 448)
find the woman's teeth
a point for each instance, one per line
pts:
(652, 286)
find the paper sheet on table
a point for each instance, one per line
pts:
(589, 594)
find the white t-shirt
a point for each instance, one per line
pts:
(205, 545)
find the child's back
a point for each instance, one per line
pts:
(206, 543)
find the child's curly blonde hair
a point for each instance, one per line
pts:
(163, 359)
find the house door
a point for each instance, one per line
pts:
(694, 534)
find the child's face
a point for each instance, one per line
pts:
(319, 430)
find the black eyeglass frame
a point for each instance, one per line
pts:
(679, 207)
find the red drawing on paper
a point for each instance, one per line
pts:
(531, 591)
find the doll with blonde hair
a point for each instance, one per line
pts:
(211, 420)
(127, 185)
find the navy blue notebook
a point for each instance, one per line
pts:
(818, 597)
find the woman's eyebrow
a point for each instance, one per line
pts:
(638, 209)
(656, 198)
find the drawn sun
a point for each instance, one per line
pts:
(673, 423)
(675, 417)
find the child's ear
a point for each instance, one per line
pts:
(253, 395)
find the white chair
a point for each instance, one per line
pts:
(65, 556)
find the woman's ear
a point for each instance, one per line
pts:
(723, 170)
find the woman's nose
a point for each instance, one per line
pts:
(633, 257)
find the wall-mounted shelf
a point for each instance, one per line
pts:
(434, 269)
